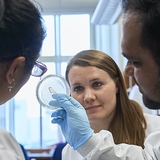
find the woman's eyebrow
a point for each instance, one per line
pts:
(75, 84)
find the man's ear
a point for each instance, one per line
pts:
(13, 67)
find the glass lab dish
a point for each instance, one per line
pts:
(49, 85)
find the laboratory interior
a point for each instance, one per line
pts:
(72, 26)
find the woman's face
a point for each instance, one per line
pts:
(95, 90)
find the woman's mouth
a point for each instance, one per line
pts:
(91, 107)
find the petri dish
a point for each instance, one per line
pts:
(49, 85)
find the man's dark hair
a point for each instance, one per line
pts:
(148, 13)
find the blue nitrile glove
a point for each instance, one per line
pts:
(73, 120)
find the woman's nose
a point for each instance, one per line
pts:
(129, 70)
(89, 95)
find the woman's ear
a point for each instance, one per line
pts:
(13, 68)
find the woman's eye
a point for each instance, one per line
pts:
(97, 84)
(78, 88)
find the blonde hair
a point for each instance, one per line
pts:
(128, 124)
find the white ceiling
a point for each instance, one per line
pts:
(68, 6)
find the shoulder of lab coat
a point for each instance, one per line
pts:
(153, 123)
(102, 144)
(9, 147)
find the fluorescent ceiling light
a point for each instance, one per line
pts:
(106, 12)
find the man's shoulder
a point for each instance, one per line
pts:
(151, 116)
(153, 123)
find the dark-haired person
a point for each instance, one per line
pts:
(22, 33)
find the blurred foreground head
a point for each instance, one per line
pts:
(22, 33)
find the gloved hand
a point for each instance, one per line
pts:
(73, 120)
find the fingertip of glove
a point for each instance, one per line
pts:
(57, 120)
(54, 121)
(58, 112)
(58, 95)
(54, 95)
(53, 114)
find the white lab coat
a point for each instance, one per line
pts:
(9, 148)
(101, 146)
